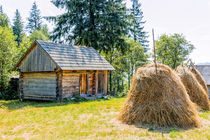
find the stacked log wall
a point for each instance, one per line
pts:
(38, 86)
(70, 84)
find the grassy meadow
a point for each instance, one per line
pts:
(83, 120)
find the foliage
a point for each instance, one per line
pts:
(34, 21)
(38, 35)
(11, 92)
(4, 20)
(45, 30)
(98, 24)
(24, 45)
(8, 52)
(173, 49)
(18, 27)
(1, 9)
(137, 28)
(125, 64)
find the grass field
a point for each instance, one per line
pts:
(84, 120)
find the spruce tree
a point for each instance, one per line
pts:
(34, 21)
(137, 29)
(4, 20)
(99, 24)
(18, 27)
(1, 9)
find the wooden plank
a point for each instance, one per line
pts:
(96, 90)
(70, 84)
(77, 72)
(39, 92)
(21, 86)
(61, 86)
(35, 84)
(40, 83)
(83, 84)
(105, 81)
(37, 61)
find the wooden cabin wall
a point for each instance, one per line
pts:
(39, 85)
(83, 84)
(59, 90)
(91, 83)
(70, 84)
(105, 81)
(101, 83)
(37, 61)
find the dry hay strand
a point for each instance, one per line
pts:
(194, 89)
(158, 99)
(200, 78)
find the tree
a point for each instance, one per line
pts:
(34, 21)
(4, 20)
(24, 45)
(172, 50)
(1, 9)
(45, 31)
(38, 35)
(137, 28)
(136, 58)
(126, 63)
(7, 55)
(18, 27)
(99, 24)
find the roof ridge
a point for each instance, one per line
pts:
(62, 44)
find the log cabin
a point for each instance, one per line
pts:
(204, 69)
(51, 71)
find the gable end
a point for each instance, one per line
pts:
(36, 60)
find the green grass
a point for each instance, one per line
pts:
(84, 120)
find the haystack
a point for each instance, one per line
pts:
(196, 92)
(200, 78)
(159, 99)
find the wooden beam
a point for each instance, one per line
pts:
(60, 86)
(57, 85)
(83, 84)
(21, 87)
(105, 81)
(96, 83)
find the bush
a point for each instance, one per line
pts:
(11, 91)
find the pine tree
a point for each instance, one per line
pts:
(137, 29)
(99, 24)
(4, 20)
(18, 27)
(34, 21)
(1, 9)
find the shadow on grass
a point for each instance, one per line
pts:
(17, 104)
(163, 130)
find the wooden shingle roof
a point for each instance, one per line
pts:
(204, 69)
(70, 57)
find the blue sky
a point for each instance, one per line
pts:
(189, 17)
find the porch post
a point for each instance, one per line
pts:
(96, 92)
(105, 81)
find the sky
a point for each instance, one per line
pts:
(188, 17)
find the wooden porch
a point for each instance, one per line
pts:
(91, 82)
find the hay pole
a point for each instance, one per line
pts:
(192, 64)
(154, 50)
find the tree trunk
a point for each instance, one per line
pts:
(118, 84)
(110, 75)
(129, 78)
